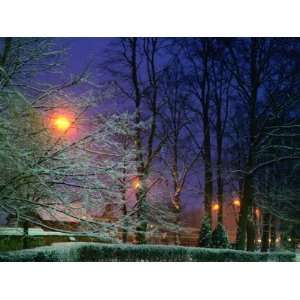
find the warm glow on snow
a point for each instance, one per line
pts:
(62, 123)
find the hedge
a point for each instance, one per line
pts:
(95, 252)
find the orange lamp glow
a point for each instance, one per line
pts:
(136, 183)
(257, 212)
(237, 202)
(215, 207)
(62, 123)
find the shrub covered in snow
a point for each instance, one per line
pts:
(205, 233)
(120, 252)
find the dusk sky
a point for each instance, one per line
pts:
(83, 50)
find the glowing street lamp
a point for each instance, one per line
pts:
(62, 123)
(136, 183)
(236, 202)
(215, 207)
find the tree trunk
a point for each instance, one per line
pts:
(142, 226)
(219, 139)
(273, 233)
(205, 100)
(248, 191)
(140, 194)
(4, 80)
(245, 212)
(251, 235)
(25, 234)
(219, 180)
(177, 211)
(265, 232)
(208, 184)
(125, 225)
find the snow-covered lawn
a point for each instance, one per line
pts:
(32, 231)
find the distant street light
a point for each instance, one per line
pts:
(257, 212)
(216, 207)
(237, 202)
(136, 183)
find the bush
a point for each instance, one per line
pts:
(12, 243)
(219, 237)
(131, 253)
(30, 255)
(205, 233)
(227, 255)
(96, 252)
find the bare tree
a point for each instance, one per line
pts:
(24, 60)
(221, 94)
(198, 54)
(139, 81)
(178, 155)
(261, 73)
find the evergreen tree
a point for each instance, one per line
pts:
(220, 237)
(205, 233)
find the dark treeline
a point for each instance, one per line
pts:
(224, 111)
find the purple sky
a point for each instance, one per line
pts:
(83, 50)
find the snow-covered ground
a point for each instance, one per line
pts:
(32, 231)
(18, 231)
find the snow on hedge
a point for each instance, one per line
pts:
(123, 252)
